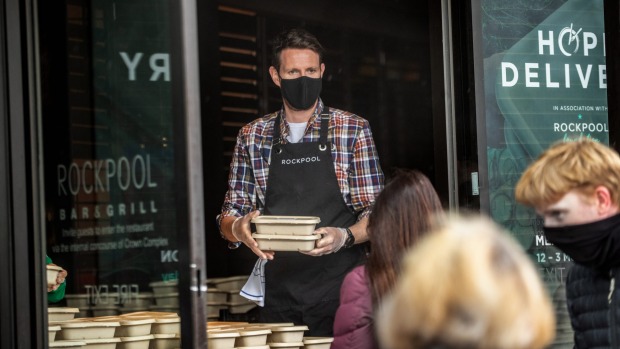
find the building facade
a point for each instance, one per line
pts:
(119, 120)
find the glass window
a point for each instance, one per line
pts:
(110, 188)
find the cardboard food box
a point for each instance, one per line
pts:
(61, 313)
(285, 225)
(52, 274)
(318, 342)
(221, 339)
(82, 330)
(287, 334)
(251, 337)
(285, 242)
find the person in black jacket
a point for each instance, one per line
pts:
(575, 187)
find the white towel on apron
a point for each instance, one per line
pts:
(254, 288)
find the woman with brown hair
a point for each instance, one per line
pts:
(403, 212)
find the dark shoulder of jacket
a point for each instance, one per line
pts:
(578, 272)
(583, 281)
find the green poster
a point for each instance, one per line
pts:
(544, 81)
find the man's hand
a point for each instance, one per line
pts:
(332, 239)
(242, 232)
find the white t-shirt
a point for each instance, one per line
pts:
(296, 131)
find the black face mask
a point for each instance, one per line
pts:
(302, 92)
(595, 245)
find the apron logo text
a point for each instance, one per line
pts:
(300, 160)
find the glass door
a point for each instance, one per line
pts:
(121, 154)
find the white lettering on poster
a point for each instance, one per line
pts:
(568, 42)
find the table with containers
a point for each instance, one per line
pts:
(150, 320)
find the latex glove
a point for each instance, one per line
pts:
(242, 232)
(332, 239)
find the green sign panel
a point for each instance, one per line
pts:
(545, 81)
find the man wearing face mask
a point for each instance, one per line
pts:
(575, 187)
(306, 159)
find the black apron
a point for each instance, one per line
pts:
(302, 182)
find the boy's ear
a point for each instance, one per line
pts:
(604, 202)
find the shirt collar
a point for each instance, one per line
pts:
(314, 120)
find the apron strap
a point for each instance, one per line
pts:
(276, 130)
(324, 128)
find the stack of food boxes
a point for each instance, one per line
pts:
(223, 293)
(139, 330)
(228, 335)
(90, 333)
(285, 233)
(166, 295)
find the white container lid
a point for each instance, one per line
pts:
(273, 324)
(133, 322)
(101, 340)
(66, 344)
(53, 328)
(254, 347)
(167, 320)
(85, 324)
(137, 338)
(166, 335)
(253, 332)
(318, 340)
(285, 345)
(223, 334)
(102, 318)
(135, 316)
(53, 267)
(289, 328)
(286, 237)
(286, 220)
(151, 314)
(63, 310)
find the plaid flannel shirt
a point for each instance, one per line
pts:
(356, 162)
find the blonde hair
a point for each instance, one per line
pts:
(468, 285)
(582, 165)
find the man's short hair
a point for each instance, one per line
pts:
(294, 38)
(582, 165)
